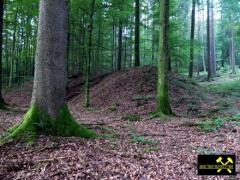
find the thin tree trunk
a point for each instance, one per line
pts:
(90, 30)
(1, 43)
(192, 39)
(13, 51)
(113, 46)
(153, 44)
(223, 33)
(232, 46)
(202, 40)
(137, 33)
(213, 51)
(119, 62)
(199, 39)
(125, 53)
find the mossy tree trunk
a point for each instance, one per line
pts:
(163, 104)
(49, 113)
(2, 103)
(88, 64)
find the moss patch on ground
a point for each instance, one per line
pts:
(36, 122)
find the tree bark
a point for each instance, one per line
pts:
(1, 44)
(120, 32)
(113, 47)
(210, 40)
(163, 104)
(232, 46)
(192, 39)
(137, 33)
(13, 52)
(49, 113)
(90, 30)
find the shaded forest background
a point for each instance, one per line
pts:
(113, 36)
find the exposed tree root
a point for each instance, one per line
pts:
(36, 122)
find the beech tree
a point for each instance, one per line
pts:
(49, 112)
(163, 104)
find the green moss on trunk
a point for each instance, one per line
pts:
(36, 122)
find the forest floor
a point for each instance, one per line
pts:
(132, 143)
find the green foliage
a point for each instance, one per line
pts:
(113, 107)
(109, 133)
(160, 115)
(132, 118)
(109, 136)
(150, 149)
(223, 103)
(142, 140)
(225, 87)
(236, 118)
(144, 98)
(215, 124)
(210, 125)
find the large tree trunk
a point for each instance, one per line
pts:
(49, 112)
(163, 105)
(192, 39)
(137, 33)
(1, 40)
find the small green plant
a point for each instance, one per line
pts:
(145, 98)
(109, 136)
(154, 115)
(132, 118)
(150, 149)
(109, 133)
(217, 123)
(142, 140)
(225, 87)
(222, 103)
(236, 118)
(113, 108)
(211, 125)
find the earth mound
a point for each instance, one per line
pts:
(133, 91)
